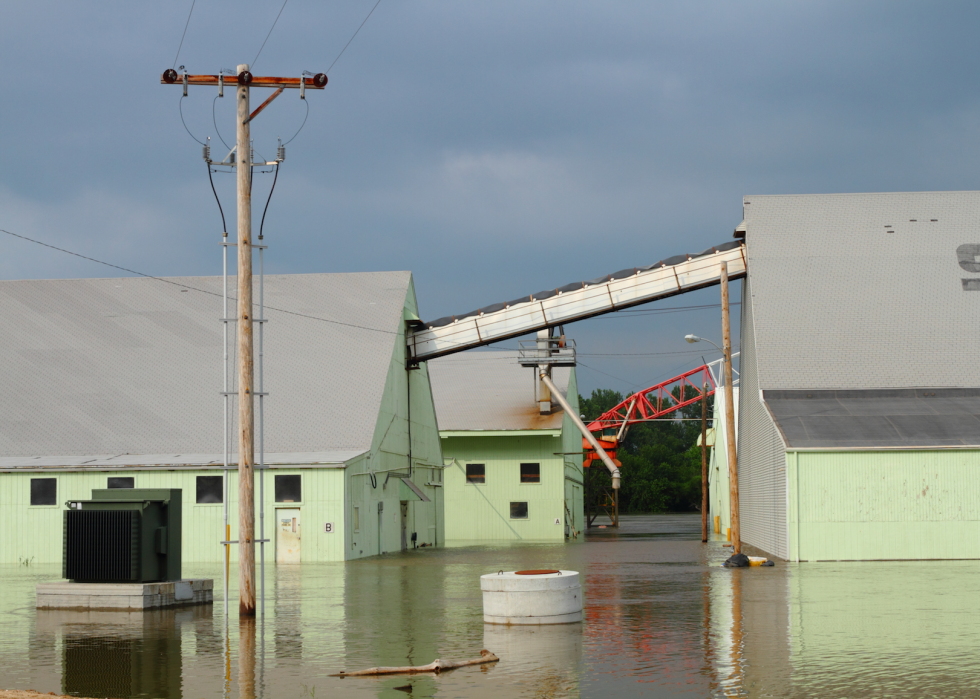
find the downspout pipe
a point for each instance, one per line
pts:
(556, 395)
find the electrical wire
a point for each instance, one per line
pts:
(186, 24)
(215, 120)
(193, 288)
(637, 312)
(180, 106)
(275, 177)
(327, 72)
(288, 312)
(307, 103)
(628, 383)
(224, 226)
(269, 34)
(635, 354)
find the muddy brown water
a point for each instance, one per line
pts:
(662, 619)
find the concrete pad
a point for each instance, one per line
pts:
(124, 596)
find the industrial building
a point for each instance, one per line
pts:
(859, 430)
(512, 473)
(117, 383)
(719, 485)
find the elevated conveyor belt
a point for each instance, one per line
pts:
(576, 301)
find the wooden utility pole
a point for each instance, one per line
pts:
(246, 373)
(726, 345)
(704, 463)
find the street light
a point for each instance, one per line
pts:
(694, 338)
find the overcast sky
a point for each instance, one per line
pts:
(492, 148)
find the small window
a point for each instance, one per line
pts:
(357, 519)
(121, 482)
(209, 490)
(518, 510)
(530, 473)
(288, 489)
(476, 473)
(44, 491)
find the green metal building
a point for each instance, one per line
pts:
(512, 474)
(117, 383)
(719, 488)
(859, 431)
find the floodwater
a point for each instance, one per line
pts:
(663, 619)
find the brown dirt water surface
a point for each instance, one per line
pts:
(662, 619)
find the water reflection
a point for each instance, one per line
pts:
(117, 654)
(550, 657)
(661, 618)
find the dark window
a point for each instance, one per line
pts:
(476, 473)
(518, 510)
(288, 489)
(44, 491)
(530, 473)
(121, 482)
(209, 489)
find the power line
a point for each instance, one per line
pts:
(191, 288)
(270, 32)
(352, 38)
(186, 24)
(214, 120)
(628, 383)
(634, 354)
(307, 103)
(180, 106)
(637, 312)
(304, 315)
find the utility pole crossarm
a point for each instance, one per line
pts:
(317, 82)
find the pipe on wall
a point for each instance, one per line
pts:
(556, 395)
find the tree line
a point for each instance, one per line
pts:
(661, 460)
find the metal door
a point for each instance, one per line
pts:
(288, 535)
(404, 524)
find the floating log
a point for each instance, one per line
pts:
(435, 666)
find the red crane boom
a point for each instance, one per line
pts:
(652, 403)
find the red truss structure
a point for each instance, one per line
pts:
(653, 403)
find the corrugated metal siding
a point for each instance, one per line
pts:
(833, 271)
(571, 442)
(482, 512)
(888, 505)
(719, 491)
(761, 454)
(389, 453)
(96, 366)
(36, 532)
(506, 390)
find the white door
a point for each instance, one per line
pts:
(287, 535)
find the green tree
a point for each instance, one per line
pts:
(661, 460)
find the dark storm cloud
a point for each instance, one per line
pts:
(494, 149)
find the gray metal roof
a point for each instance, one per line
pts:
(857, 291)
(490, 391)
(877, 418)
(129, 370)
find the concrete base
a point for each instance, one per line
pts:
(532, 598)
(572, 618)
(124, 596)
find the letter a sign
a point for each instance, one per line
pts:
(558, 521)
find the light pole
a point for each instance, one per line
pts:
(704, 444)
(694, 338)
